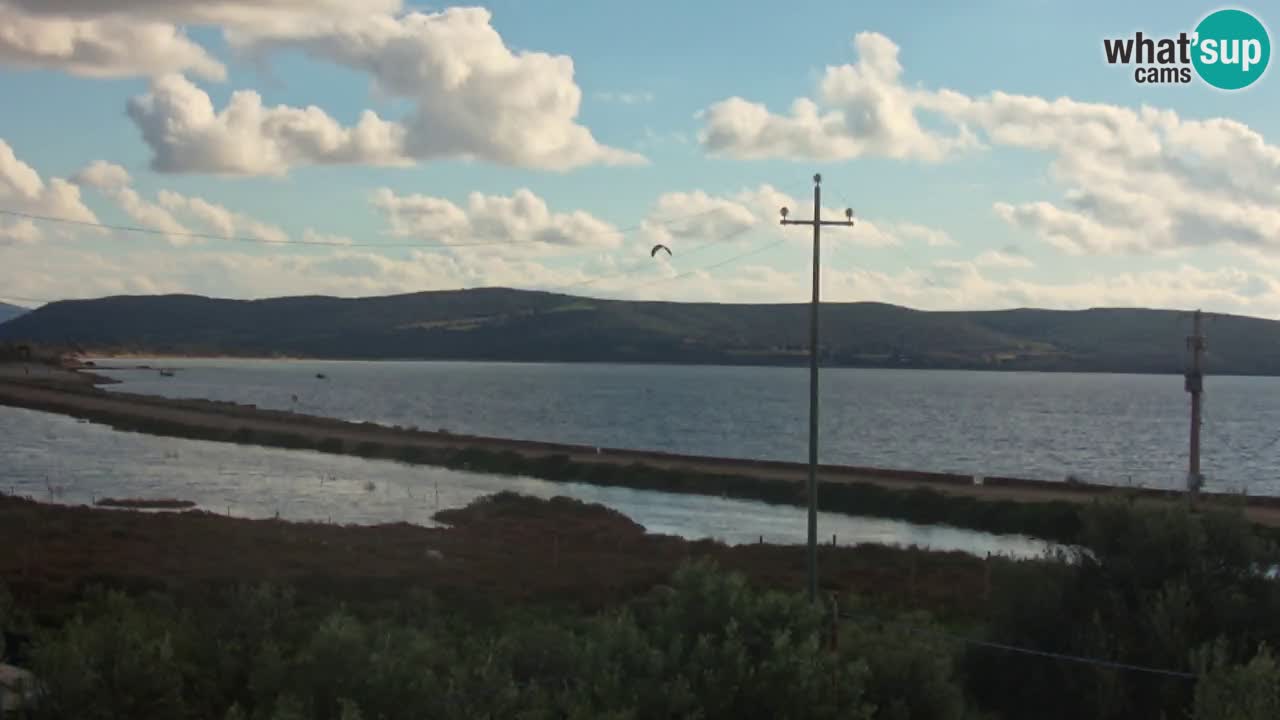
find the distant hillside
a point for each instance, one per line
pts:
(8, 312)
(501, 324)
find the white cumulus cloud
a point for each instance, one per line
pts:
(120, 38)
(697, 216)
(1138, 181)
(861, 109)
(187, 134)
(163, 214)
(1142, 180)
(1002, 259)
(114, 182)
(22, 190)
(933, 237)
(521, 219)
(110, 46)
(472, 98)
(219, 218)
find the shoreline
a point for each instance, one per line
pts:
(649, 363)
(53, 375)
(1000, 504)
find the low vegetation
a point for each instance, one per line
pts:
(145, 503)
(1052, 520)
(707, 646)
(13, 352)
(1161, 588)
(1169, 614)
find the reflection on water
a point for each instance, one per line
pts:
(52, 457)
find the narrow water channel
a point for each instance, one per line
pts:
(60, 459)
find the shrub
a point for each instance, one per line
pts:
(1157, 586)
(911, 669)
(118, 662)
(1238, 692)
(712, 648)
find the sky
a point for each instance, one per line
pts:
(993, 159)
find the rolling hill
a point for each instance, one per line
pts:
(516, 325)
(8, 312)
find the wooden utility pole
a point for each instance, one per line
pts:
(1195, 386)
(817, 222)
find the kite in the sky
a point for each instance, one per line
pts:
(656, 248)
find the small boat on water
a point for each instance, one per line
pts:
(321, 376)
(166, 372)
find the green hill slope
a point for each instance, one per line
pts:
(502, 324)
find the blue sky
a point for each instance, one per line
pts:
(1042, 205)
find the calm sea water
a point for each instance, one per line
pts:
(1119, 429)
(59, 459)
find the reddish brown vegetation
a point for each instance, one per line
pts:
(509, 549)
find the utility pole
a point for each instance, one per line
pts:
(817, 222)
(1195, 386)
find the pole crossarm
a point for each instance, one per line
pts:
(816, 222)
(846, 223)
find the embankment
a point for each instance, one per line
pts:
(1002, 505)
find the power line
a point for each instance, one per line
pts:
(197, 235)
(908, 258)
(713, 266)
(639, 265)
(645, 263)
(1098, 662)
(143, 230)
(308, 243)
(630, 271)
(1065, 657)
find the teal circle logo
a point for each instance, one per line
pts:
(1232, 49)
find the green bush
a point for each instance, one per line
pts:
(912, 673)
(1157, 587)
(1163, 588)
(118, 662)
(1238, 692)
(709, 647)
